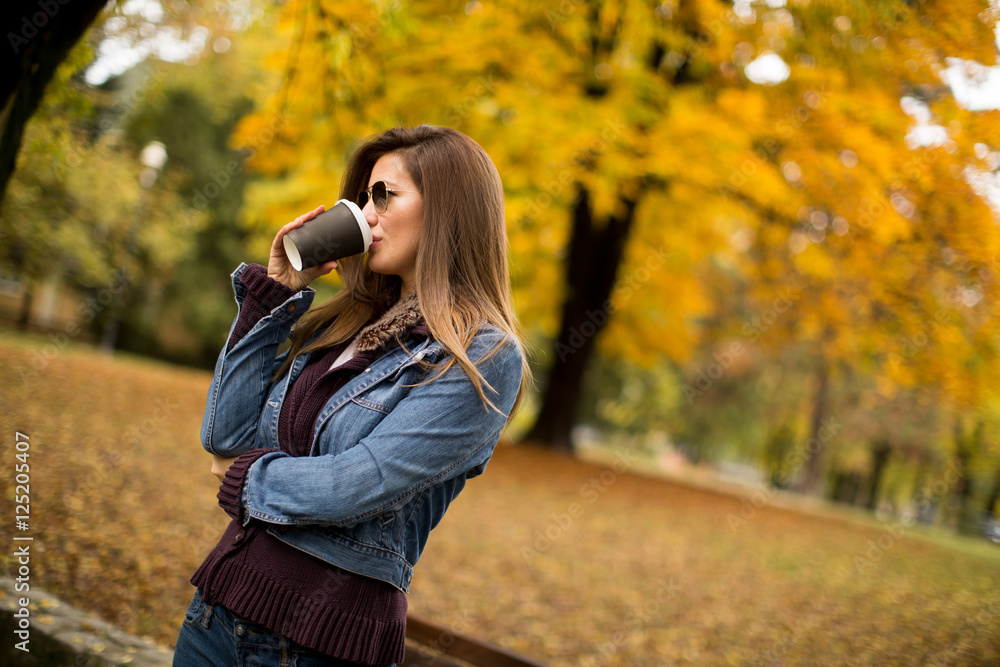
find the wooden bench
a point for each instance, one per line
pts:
(429, 644)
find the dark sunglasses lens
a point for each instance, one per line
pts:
(380, 197)
(362, 199)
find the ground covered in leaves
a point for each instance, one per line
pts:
(568, 562)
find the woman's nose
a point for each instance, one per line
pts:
(370, 215)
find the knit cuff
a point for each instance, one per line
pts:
(231, 490)
(264, 294)
(268, 291)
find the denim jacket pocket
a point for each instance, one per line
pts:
(371, 405)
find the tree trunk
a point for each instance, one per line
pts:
(24, 317)
(845, 488)
(880, 459)
(815, 453)
(991, 508)
(40, 41)
(968, 514)
(595, 252)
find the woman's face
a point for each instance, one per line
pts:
(395, 233)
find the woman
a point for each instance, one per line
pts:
(338, 457)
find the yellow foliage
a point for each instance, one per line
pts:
(807, 185)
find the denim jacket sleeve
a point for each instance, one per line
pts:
(243, 374)
(441, 429)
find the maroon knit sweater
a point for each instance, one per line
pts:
(259, 577)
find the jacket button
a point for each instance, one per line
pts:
(290, 308)
(241, 631)
(239, 535)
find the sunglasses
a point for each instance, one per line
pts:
(379, 194)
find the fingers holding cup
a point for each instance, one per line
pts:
(279, 266)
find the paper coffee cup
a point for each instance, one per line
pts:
(338, 232)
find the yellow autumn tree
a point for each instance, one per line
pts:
(603, 121)
(876, 227)
(650, 165)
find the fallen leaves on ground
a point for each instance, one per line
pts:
(568, 562)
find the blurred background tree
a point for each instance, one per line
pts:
(83, 208)
(166, 246)
(40, 37)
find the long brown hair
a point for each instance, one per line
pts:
(462, 279)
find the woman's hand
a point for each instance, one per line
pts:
(220, 465)
(278, 266)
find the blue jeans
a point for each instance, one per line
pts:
(211, 636)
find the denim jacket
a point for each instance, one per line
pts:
(389, 453)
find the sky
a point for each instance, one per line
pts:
(975, 86)
(123, 50)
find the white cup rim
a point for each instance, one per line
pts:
(292, 252)
(366, 229)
